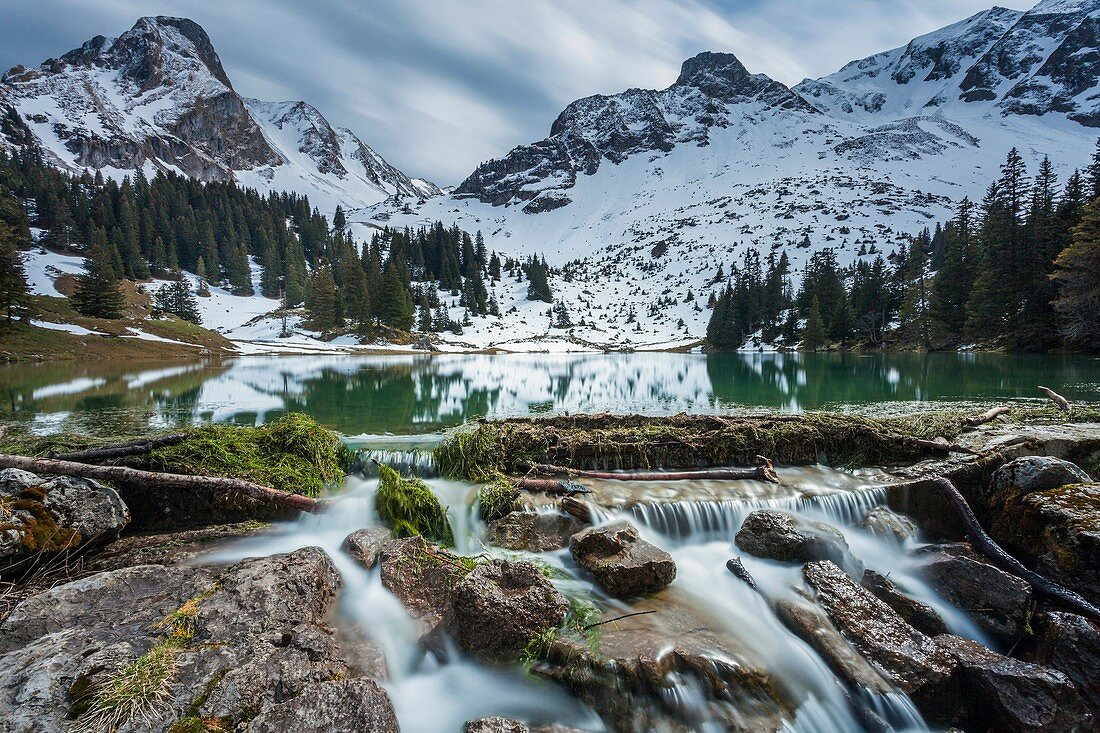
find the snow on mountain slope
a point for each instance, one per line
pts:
(157, 97)
(647, 192)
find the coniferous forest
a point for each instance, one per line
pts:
(1019, 270)
(138, 229)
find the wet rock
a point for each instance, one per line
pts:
(926, 504)
(248, 639)
(496, 725)
(1071, 644)
(885, 522)
(917, 614)
(1033, 473)
(1005, 694)
(906, 657)
(533, 532)
(365, 545)
(781, 536)
(621, 562)
(999, 603)
(421, 575)
(338, 706)
(500, 606)
(45, 517)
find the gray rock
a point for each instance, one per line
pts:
(1034, 473)
(885, 522)
(15, 480)
(92, 509)
(533, 531)
(500, 606)
(365, 545)
(342, 706)
(782, 536)
(621, 562)
(999, 603)
(1004, 694)
(917, 614)
(421, 575)
(496, 725)
(1071, 644)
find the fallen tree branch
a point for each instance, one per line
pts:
(1062, 402)
(763, 472)
(988, 416)
(617, 618)
(260, 493)
(133, 448)
(577, 508)
(988, 547)
(550, 486)
(940, 445)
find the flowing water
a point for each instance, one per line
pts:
(439, 694)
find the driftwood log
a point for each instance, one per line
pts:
(137, 477)
(763, 472)
(550, 486)
(121, 450)
(579, 509)
(988, 547)
(988, 416)
(1062, 402)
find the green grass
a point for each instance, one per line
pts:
(410, 508)
(496, 498)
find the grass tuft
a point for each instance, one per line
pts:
(410, 508)
(496, 499)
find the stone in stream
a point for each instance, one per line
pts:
(365, 545)
(533, 531)
(997, 602)
(44, 517)
(1033, 473)
(621, 562)
(782, 536)
(885, 522)
(917, 614)
(250, 649)
(499, 607)
(1071, 644)
(1004, 694)
(509, 725)
(421, 575)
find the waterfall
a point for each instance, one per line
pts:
(414, 462)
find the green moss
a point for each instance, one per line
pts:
(410, 508)
(37, 528)
(496, 499)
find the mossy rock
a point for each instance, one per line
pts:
(410, 508)
(496, 499)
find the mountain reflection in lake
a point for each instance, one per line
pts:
(421, 394)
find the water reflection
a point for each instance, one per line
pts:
(417, 394)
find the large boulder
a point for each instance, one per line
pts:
(533, 531)
(1033, 473)
(997, 602)
(907, 658)
(43, 517)
(917, 614)
(621, 562)
(499, 607)
(783, 536)
(232, 646)
(421, 575)
(1004, 694)
(1071, 644)
(365, 545)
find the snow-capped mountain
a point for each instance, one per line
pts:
(158, 97)
(652, 189)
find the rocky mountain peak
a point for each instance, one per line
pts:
(712, 71)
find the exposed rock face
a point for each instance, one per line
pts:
(906, 657)
(1005, 694)
(500, 606)
(999, 603)
(1071, 644)
(533, 531)
(885, 522)
(622, 563)
(781, 536)
(41, 517)
(365, 545)
(253, 648)
(917, 614)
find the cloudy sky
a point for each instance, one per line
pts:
(437, 86)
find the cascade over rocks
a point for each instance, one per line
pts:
(782, 536)
(622, 563)
(533, 531)
(999, 603)
(917, 614)
(421, 575)
(885, 522)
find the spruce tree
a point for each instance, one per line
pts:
(395, 307)
(322, 308)
(14, 291)
(813, 335)
(176, 298)
(1078, 281)
(98, 291)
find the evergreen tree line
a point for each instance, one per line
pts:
(1019, 270)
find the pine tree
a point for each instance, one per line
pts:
(14, 291)
(395, 307)
(200, 271)
(322, 307)
(955, 278)
(538, 287)
(813, 335)
(176, 298)
(1078, 282)
(98, 293)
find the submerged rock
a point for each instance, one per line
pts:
(1004, 694)
(499, 607)
(621, 562)
(533, 531)
(782, 536)
(999, 603)
(365, 545)
(885, 522)
(43, 517)
(917, 614)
